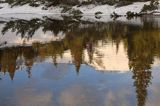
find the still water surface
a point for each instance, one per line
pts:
(75, 62)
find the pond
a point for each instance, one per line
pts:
(79, 61)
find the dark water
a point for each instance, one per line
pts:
(75, 62)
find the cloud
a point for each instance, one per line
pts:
(29, 95)
(117, 98)
(76, 95)
(34, 99)
(154, 96)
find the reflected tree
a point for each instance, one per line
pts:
(81, 36)
(142, 48)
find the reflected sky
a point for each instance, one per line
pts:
(62, 86)
(50, 85)
(113, 63)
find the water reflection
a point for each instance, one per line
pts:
(112, 46)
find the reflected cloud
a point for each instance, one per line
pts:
(29, 95)
(81, 95)
(154, 97)
(52, 72)
(119, 97)
(31, 98)
(76, 95)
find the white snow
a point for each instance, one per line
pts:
(106, 18)
(107, 9)
(135, 7)
(86, 9)
(26, 9)
(92, 9)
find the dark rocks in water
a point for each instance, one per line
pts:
(130, 14)
(98, 13)
(98, 17)
(115, 15)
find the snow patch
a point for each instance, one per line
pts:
(85, 9)
(7, 9)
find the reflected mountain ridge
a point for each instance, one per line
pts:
(86, 43)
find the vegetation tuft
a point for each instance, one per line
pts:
(152, 6)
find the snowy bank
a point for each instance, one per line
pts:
(26, 9)
(107, 9)
(85, 9)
